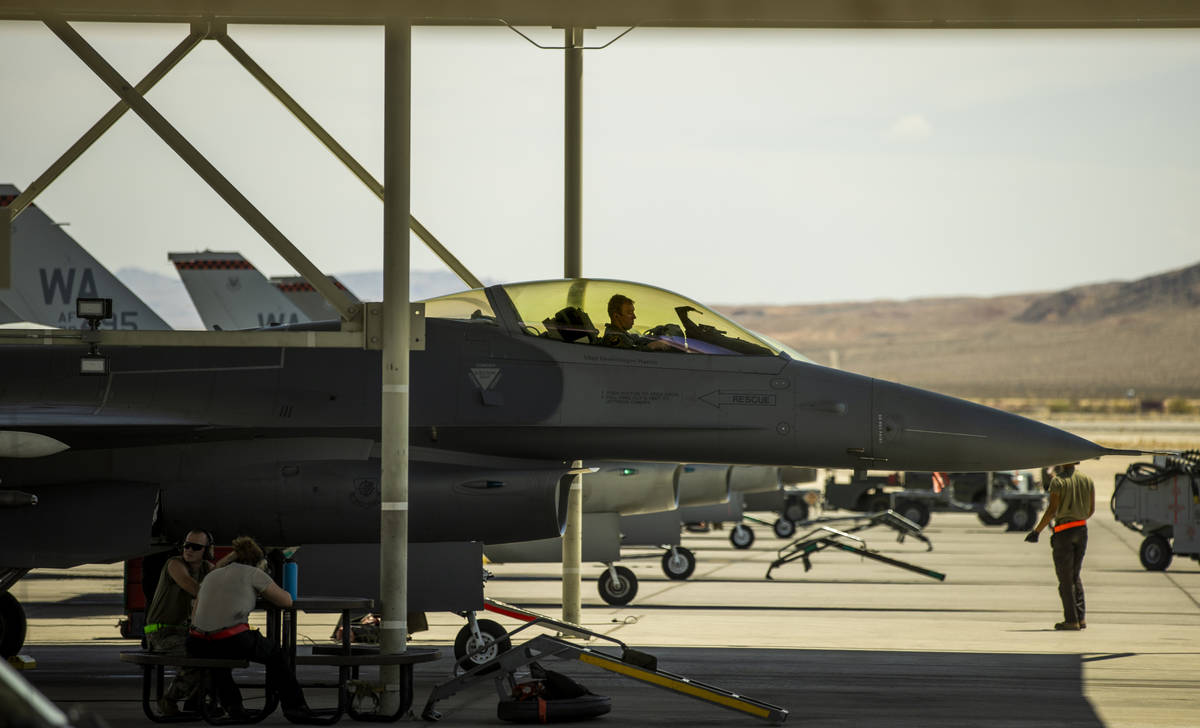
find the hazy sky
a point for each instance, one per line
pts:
(731, 166)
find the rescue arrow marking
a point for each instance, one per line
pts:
(722, 398)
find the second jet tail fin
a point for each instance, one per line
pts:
(229, 293)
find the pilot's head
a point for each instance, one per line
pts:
(620, 312)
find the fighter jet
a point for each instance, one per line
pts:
(229, 292)
(508, 371)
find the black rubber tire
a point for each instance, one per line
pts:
(741, 536)
(492, 634)
(1020, 517)
(557, 711)
(784, 528)
(1155, 553)
(678, 563)
(620, 593)
(915, 511)
(796, 510)
(12, 625)
(988, 519)
(875, 503)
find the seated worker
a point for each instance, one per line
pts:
(219, 628)
(617, 332)
(167, 617)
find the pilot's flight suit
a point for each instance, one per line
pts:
(621, 339)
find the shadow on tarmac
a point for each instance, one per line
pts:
(839, 688)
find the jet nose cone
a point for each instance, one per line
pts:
(914, 429)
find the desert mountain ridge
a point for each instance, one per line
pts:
(1096, 340)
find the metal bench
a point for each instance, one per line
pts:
(154, 666)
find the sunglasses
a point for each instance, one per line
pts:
(194, 546)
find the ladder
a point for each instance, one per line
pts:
(632, 664)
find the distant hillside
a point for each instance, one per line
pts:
(1092, 341)
(1175, 289)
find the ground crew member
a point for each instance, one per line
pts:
(167, 617)
(617, 332)
(1072, 502)
(220, 629)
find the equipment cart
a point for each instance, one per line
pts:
(1162, 501)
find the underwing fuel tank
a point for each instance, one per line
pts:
(337, 501)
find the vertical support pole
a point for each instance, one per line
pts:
(572, 155)
(5, 247)
(393, 540)
(572, 555)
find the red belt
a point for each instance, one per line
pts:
(1070, 524)
(219, 634)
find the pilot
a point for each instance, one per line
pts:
(219, 629)
(618, 332)
(167, 617)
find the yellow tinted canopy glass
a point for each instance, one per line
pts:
(578, 310)
(471, 304)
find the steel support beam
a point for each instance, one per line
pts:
(346, 308)
(643, 13)
(393, 540)
(5, 247)
(269, 339)
(572, 543)
(39, 185)
(344, 156)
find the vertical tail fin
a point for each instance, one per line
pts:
(50, 270)
(305, 297)
(229, 293)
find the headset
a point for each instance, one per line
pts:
(208, 550)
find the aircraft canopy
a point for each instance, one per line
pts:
(577, 310)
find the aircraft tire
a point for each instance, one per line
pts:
(678, 563)
(784, 528)
(12, 625)
(1155, 553)
(491, 633)
(622, 591)
(741, 536)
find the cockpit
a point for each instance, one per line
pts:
(576, 312)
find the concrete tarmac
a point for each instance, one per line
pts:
(852, 642)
